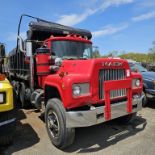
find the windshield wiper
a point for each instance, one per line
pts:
(82, 58)
(69, 58)
(74, 58)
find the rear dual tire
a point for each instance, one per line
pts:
(25, 103)
(55, 119)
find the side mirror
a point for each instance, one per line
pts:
(2, 50)
(21, 44)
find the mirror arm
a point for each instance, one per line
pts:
(21, 44)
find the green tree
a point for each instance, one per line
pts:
(96, 52)
(113, 53)
(151, 53)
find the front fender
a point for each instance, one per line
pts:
(56, 82)
(64, 86)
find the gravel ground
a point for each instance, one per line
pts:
(109, 138)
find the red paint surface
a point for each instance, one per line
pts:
(116, 85)
(86, 71)
(43, 67)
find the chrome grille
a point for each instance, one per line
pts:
(111, 74)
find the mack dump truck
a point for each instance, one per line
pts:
(7, 116)
(53, 69)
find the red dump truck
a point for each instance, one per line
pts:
(53, 69)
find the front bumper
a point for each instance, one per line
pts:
(96, 114)
(150, 93)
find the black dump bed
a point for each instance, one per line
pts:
(42, 30)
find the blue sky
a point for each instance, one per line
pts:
(123, 25)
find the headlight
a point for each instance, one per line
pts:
(76, 90)
(2, 98)
(136, 83)
(127, 73)
(80, 89)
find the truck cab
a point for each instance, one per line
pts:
(55, 70)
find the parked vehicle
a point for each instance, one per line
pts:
(148, 81)
(7, 116)
(53, 69)
(151, 67)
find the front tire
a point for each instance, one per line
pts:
(55, 119)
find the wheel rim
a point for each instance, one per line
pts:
(53, 124)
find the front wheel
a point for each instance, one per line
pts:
(55, 119)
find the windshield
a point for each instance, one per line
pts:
(71, 49)
(137, 67)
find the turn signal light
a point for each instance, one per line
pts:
(2, 77)
(128, 73)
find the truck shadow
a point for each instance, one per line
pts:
(95, 138)
(25, 136)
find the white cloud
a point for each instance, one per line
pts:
(147, 4)
(73, 19)
(109, 30)
(13, 36)
(145, 16)
(109, 3)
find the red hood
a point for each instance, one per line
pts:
(89, 66)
